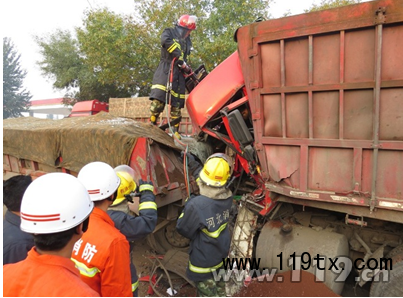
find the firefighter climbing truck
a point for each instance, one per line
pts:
(311, 107)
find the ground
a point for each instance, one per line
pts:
(143, 260)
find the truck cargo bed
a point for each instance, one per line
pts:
(326, 94)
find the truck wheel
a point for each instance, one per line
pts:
(167, 238)
(390, 288)
(396, 251)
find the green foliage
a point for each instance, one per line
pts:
(326, 4)
(62, 61)
(65, 64)
(16, 99)
(214, 41)
(110, 46)
(116, 56)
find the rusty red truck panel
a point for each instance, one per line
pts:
(326, 96)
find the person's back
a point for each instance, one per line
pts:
(102, 254)
(16, 243)
(55, 209)
(98, 255)
(134, 227)
(58, 278)
(204, 221)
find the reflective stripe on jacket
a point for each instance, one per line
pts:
(137, 227)
(205, 222)
(172, 46)
(103, 258)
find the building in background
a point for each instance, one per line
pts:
(48, 109)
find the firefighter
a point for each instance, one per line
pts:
(16, 243)
(102, 254)
(204, 221)
(134, 227)
(55, 208)
(175, 48)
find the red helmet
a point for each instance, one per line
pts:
(187, 21)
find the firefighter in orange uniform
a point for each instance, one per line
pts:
(102, 254)
(55, 208)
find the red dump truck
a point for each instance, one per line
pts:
(312, 107)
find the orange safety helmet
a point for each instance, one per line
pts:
(187, 21)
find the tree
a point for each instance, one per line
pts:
(112, 49)
(326, 4)
(16, 99)
(116, 56)
(64, 63)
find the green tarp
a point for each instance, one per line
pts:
(77, 140)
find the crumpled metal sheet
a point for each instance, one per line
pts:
(78, 140)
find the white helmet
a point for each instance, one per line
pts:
(99, 179)
(53, 203)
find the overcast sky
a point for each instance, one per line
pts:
(23, 19)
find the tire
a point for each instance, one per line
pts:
(166, 239)
(396, 251)
(391, 288)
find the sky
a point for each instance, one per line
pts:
(23, 19)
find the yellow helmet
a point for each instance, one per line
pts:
(216, 170)
(127, 184)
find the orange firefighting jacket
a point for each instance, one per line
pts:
(103, 258)
(44, 276)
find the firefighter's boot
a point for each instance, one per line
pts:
(153, 119)
(177, 135)
(175, 114)
(155, 109)
(175, 129)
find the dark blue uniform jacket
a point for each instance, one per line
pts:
(16, 243)
(204, 221)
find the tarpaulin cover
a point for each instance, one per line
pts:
(78, 140)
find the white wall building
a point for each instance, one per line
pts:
(48, 109)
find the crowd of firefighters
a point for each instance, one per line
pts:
(60, 238)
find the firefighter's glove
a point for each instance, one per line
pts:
(145, 186)
(194, 165)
